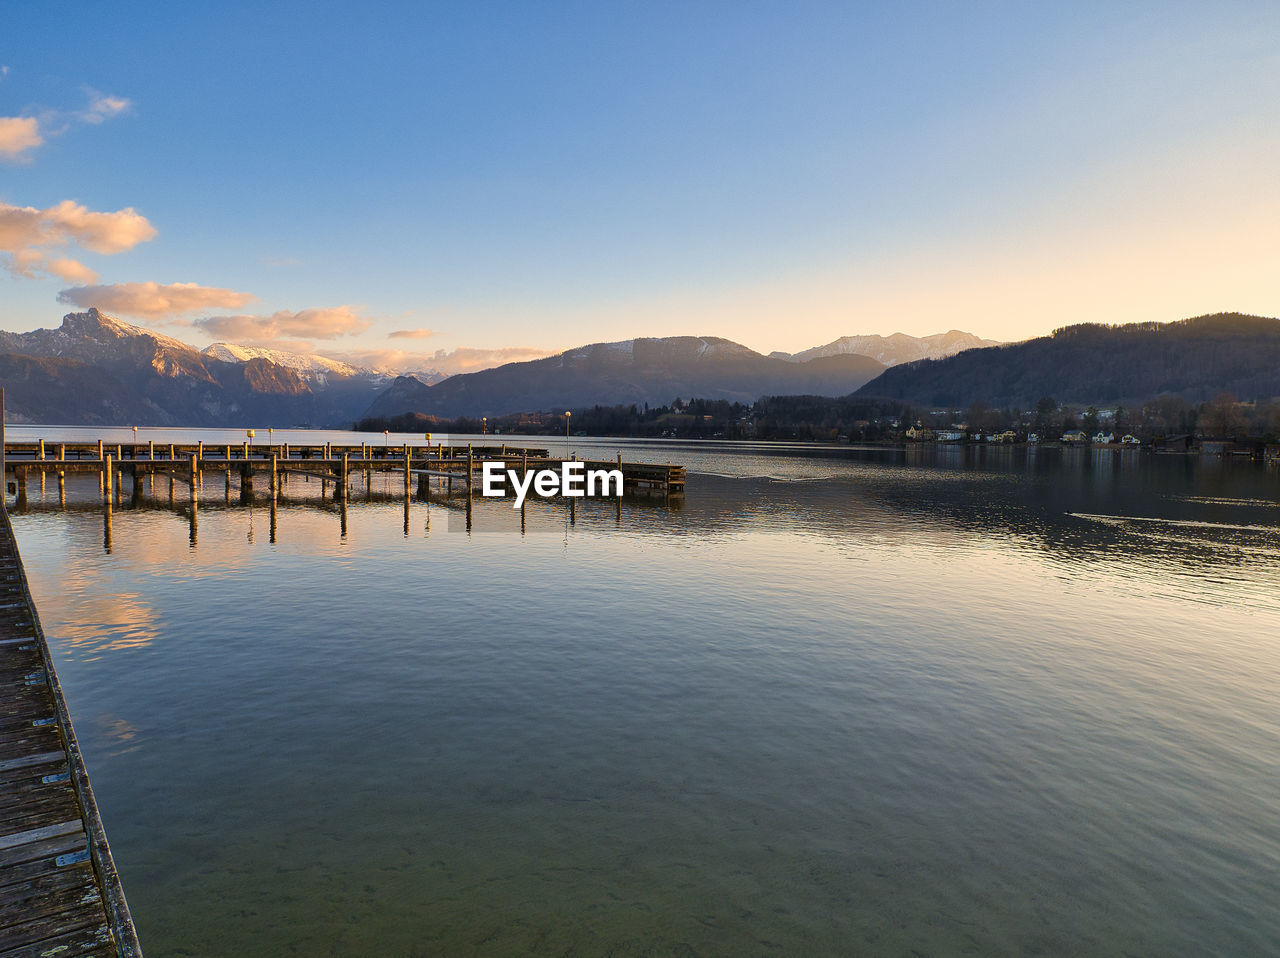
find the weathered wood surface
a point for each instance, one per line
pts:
(59, 892)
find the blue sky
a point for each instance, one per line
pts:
(525, 177)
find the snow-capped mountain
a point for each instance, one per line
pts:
(95, 368)
(311, 366)
(894, 349)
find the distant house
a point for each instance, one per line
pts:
(1007, 436)
(1033, 437)
(1130, 440)
(920, 433)
(1074, 435)
(949, 435)
(1103, 438)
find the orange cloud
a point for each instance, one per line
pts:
(70, 270)
(101, 232)
(465, 359)
(28, 235)
(411, 334)
(17, 135)
(152, 300)
(309, 323)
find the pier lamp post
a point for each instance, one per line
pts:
(249, 433)
(567, 414)
(386, 437)
(484, 425)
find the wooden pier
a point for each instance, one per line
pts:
(59, 891)
(118, 464)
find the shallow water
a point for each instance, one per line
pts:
(947, 702)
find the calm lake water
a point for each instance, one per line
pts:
(841, 702)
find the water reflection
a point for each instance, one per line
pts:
(982, 700)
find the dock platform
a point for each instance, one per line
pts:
(60, 896)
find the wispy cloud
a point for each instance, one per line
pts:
(326, 323)
(411, 334)
(28, 236)
(103, 106)
(153, 300)
(20, 135)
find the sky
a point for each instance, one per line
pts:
(454, 185)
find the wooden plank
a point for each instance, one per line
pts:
(54, 917)
(33, 835)
(84, 943)
(51, 848)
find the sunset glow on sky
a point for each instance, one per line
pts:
(457, 185)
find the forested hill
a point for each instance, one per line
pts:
(1195, 358)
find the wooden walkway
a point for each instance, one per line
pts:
(116, 464)
(60, 896)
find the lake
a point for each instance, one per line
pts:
(936, 702)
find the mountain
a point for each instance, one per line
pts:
(311, 367)
(894, 349)
(150, 379)
(1090, 363)
(46, 389)
(633, 371)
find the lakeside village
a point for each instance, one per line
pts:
(1219, 426)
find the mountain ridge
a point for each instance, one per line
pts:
(895, 348)
(642, 370)
(1090, 363)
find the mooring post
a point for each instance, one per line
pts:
(151, 448)
(62, 488)
(286, 450)
(200, 449)
(62, 453)
(227, 455)
(171, 455)
(99, 450)
(406, 470)
(106, 527)
(41, 448)
(195, 469)
(246, 450)
(106, 476)
(228, 477)
(275, 474)
(343, 482)
(470, 466)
